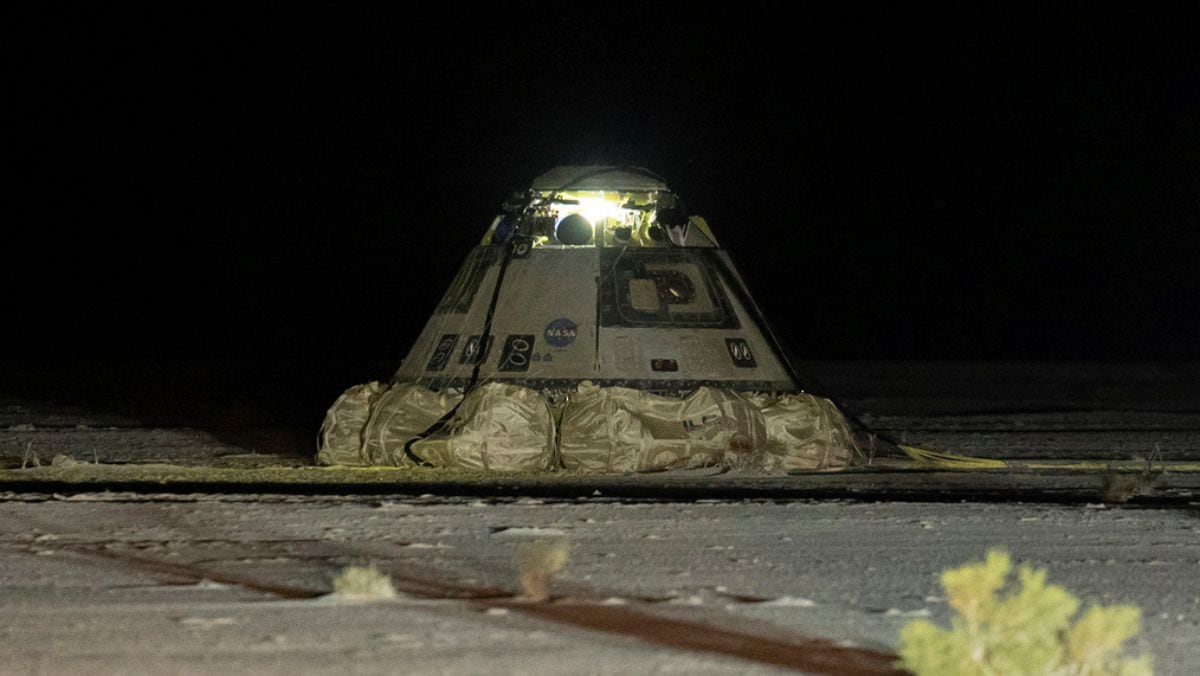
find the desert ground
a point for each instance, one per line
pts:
(171, 522)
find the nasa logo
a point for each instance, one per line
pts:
(560, 332)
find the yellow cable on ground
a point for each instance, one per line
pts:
(951, 460)
(1114, 465)
(364, 468)
(956, 461)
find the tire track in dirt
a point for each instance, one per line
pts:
(769, 646)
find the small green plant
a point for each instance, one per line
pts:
(1025, 631)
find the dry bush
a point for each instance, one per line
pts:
(363, 583)
(537, 563)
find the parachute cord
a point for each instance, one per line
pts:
(923, 456)
(484, 343)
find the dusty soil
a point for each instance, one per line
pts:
(204, 541)
(208, 583)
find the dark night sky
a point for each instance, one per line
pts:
(951, 184)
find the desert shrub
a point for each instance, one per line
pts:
(537, 562)
(1027, 630)
(363, 583)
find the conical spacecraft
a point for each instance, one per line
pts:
(595, 328)
(598, 274)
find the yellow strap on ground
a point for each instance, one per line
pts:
(951, 460)
(956, 461)
(1114, 465)
(364, 468)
